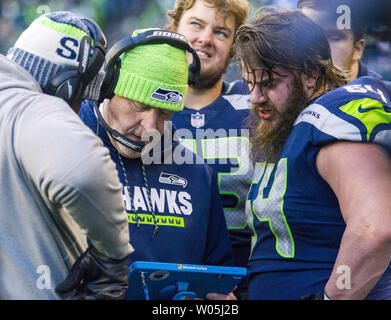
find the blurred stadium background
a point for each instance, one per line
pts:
(119, 18)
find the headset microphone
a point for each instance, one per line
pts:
(134, 145)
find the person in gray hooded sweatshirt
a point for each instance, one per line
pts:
(58, 184)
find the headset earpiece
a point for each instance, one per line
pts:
(84, 54)
(194, 69)
(70, 82)
(110, 81)
(65, 85)
(98, 55)
(155, 36)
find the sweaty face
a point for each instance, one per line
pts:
(212, 37)
(276, 106)
(135, 121)
(270, 99)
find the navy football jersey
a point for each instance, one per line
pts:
(182, 200)
(294, 214)
(220, 137)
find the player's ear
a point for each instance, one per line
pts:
(358, 49)
(309, 80)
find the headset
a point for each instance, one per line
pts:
(113, 65)
(70, 82)
(154, 36)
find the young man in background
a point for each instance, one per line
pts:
(347, 42)
(215, 110)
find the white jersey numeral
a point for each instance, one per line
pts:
(270, 208)
(234, 183)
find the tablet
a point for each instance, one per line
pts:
(174, 281)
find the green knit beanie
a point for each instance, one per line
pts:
(154, 74)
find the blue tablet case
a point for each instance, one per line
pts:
(174, 281)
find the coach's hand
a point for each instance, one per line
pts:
(95, 276)
(316, 296)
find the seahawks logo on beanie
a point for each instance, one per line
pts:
(154, 74)
(170, 96)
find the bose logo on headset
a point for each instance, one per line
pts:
(168, 34)
(85, 55)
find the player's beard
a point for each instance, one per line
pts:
(208, 78)
(269, 137)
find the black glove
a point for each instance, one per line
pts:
(314, 296)
(95, 276)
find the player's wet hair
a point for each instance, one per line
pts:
(280, 38)
(238, 8)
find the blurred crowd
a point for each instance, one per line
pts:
(118, 18)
